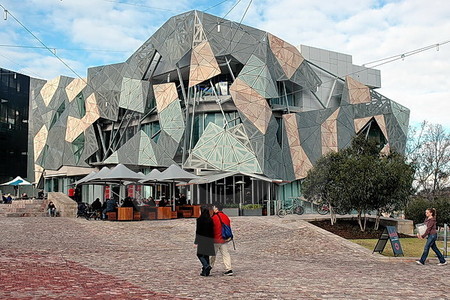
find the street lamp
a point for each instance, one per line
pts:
(241, 191)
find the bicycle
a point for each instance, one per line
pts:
(291, 209)
(324, 209)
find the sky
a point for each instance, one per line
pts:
(87, 33)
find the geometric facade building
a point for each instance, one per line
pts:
(211, 94)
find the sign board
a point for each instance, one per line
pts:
(389, 233)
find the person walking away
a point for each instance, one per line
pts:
(51, 208)
(431, 235)
(204, 239)
(221, 245)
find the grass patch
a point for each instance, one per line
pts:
(412, 247)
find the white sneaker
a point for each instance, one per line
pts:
(442, 264)
(419, 262)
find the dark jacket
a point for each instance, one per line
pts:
(204, 236)
(111, 205)
(96, 205)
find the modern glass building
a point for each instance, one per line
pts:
(213, 96)
(14, 99)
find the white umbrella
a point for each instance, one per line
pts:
(97, 178)
(175, 173)
(85, 178)
(154, 175)
(120, 173)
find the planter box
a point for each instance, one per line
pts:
(252, 212)
(231, 212)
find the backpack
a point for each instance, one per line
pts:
(227, 234)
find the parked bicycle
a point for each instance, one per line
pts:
(324, 209)
(294, 208)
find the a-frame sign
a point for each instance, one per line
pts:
(389, 233)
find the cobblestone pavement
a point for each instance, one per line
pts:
(274, 259)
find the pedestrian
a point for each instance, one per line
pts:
(204, 239)
(51, 208)
(111, 206)
(220, 244)
(431, 235)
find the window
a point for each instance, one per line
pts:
(81, 104)
(58, 114)
(78, 147)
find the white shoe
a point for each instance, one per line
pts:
(419, 262)
(442, 264)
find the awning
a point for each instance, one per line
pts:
(217, 176)
(211, 178)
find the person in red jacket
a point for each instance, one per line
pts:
(220, 245)
(431, 235)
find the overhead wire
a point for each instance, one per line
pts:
(43, 44)
(205, 10)
(141, 5)
(382, 61)
(21, 67)
(376, 63)
(240, 22)
(65, 49)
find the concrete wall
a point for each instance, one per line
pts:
(64, 204)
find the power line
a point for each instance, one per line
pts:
(65, 49)
(404, 55)
(141, 5)
(240, 22)
(7, 12)
(383, 61)
(215, 5)
(22, 67)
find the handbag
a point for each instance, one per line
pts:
(227, 234)
(421, 228)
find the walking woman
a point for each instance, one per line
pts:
(431, 232)
(204, 239)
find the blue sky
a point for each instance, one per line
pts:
(87, 33)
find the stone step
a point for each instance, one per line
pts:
(23, 214)
(24, 208)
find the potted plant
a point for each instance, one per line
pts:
(252, 210)
(231, 209)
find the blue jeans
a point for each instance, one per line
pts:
(204, 259)
(431, 243)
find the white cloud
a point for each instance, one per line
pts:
(371, 30)
(366, 29)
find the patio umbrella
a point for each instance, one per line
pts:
(120, 173)
(18, 181)
(175, 173)
(154, 175)
(85, 178)
(97, 178)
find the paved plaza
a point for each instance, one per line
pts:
(62, 258)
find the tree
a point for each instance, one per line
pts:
(323, 184)
(393, 180)
(428, 148)
(360, 178)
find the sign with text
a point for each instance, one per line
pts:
(389, 233)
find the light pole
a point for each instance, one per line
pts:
(241, 192)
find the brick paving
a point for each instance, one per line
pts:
(64, 258)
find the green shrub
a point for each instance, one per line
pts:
(231, 205)
(442, 206)
(252, 206)
(416, 210)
